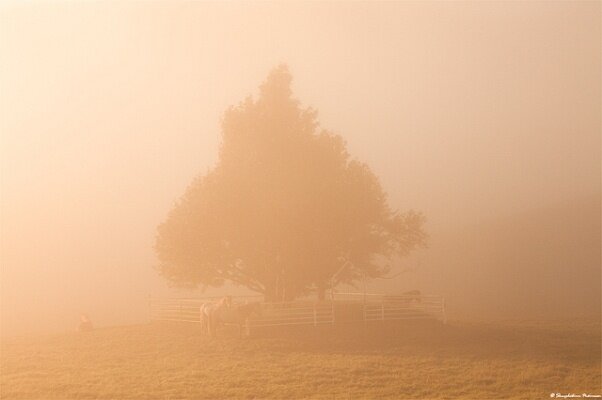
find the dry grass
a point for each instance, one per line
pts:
(419, 360)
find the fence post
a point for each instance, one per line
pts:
(315, 315)
(382, 309)
(332, 308)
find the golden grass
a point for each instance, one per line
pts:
(419, 360)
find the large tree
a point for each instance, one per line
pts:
(285, 210)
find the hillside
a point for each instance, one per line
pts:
(410, 360)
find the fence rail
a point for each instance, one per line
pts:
(341, 307)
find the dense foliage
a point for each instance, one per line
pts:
(285, 210)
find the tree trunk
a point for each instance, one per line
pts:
(321, 293)
(271, 294)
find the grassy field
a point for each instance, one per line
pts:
(403, 361)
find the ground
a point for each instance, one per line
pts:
(421, 360)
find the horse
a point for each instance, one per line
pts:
(211, 314)
(413, 296)
(240, 315)
(85, 324)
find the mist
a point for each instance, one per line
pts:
(485, 116)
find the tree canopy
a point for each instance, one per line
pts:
(285, 210)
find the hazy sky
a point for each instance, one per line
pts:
(108, 110)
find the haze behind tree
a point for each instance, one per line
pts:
(481, 115)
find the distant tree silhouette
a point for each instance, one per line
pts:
(285, 209)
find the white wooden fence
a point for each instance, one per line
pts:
(294, 313)
(387, 307)
(340, 308)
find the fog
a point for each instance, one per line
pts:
(485, 116)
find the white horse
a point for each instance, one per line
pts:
(211, 314)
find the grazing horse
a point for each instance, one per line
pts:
(85, 324)
(240, 315)
(406, 299)
(211, 314)
(413, 296)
